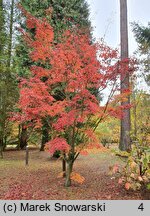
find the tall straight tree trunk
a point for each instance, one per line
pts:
(10, 35)
(5, 68)
(135, 114)
(2, 91)
(125, 143)
(1, 148)
(1, 25)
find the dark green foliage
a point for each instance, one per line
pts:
(62, 14)
(56, 154)
(8, 92)
(2, 22)
(142, 35)
(2, 42)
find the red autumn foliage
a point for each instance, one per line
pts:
(73, 67)
(57, 143)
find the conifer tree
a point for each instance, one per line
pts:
(62, 15)
(2, 42)
(7, 81)
(142, 36)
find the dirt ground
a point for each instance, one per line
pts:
(39, 180)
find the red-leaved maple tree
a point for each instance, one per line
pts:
(71, 68)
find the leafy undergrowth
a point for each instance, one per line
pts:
(39, 180)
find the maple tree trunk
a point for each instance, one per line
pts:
(125, 143)
(23, 138)
(68, 174)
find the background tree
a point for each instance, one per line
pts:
(61, 15)
(142, 35)
(8, 92)
(140, 114)
(2, 44)
(125, 143)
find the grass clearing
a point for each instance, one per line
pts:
(39, 180)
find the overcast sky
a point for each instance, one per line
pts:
(105, 19)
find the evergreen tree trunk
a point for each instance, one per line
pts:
(10, 35)
(9, 51)
(1, 25)
(135, 114)
(2, 88)
(23, 138)
(45, 134)
(5, 68)
(19, 135)
(125, 143)
(1, 148)
(68, 174)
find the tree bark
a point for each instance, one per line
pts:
(2, 105)
(5, 68)
(23, 138)
(45, 134)
(64, 167)
(68, 174)
(125, 143)
(135, 115)
(1, 147)
(1, 26)
(10, 35)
